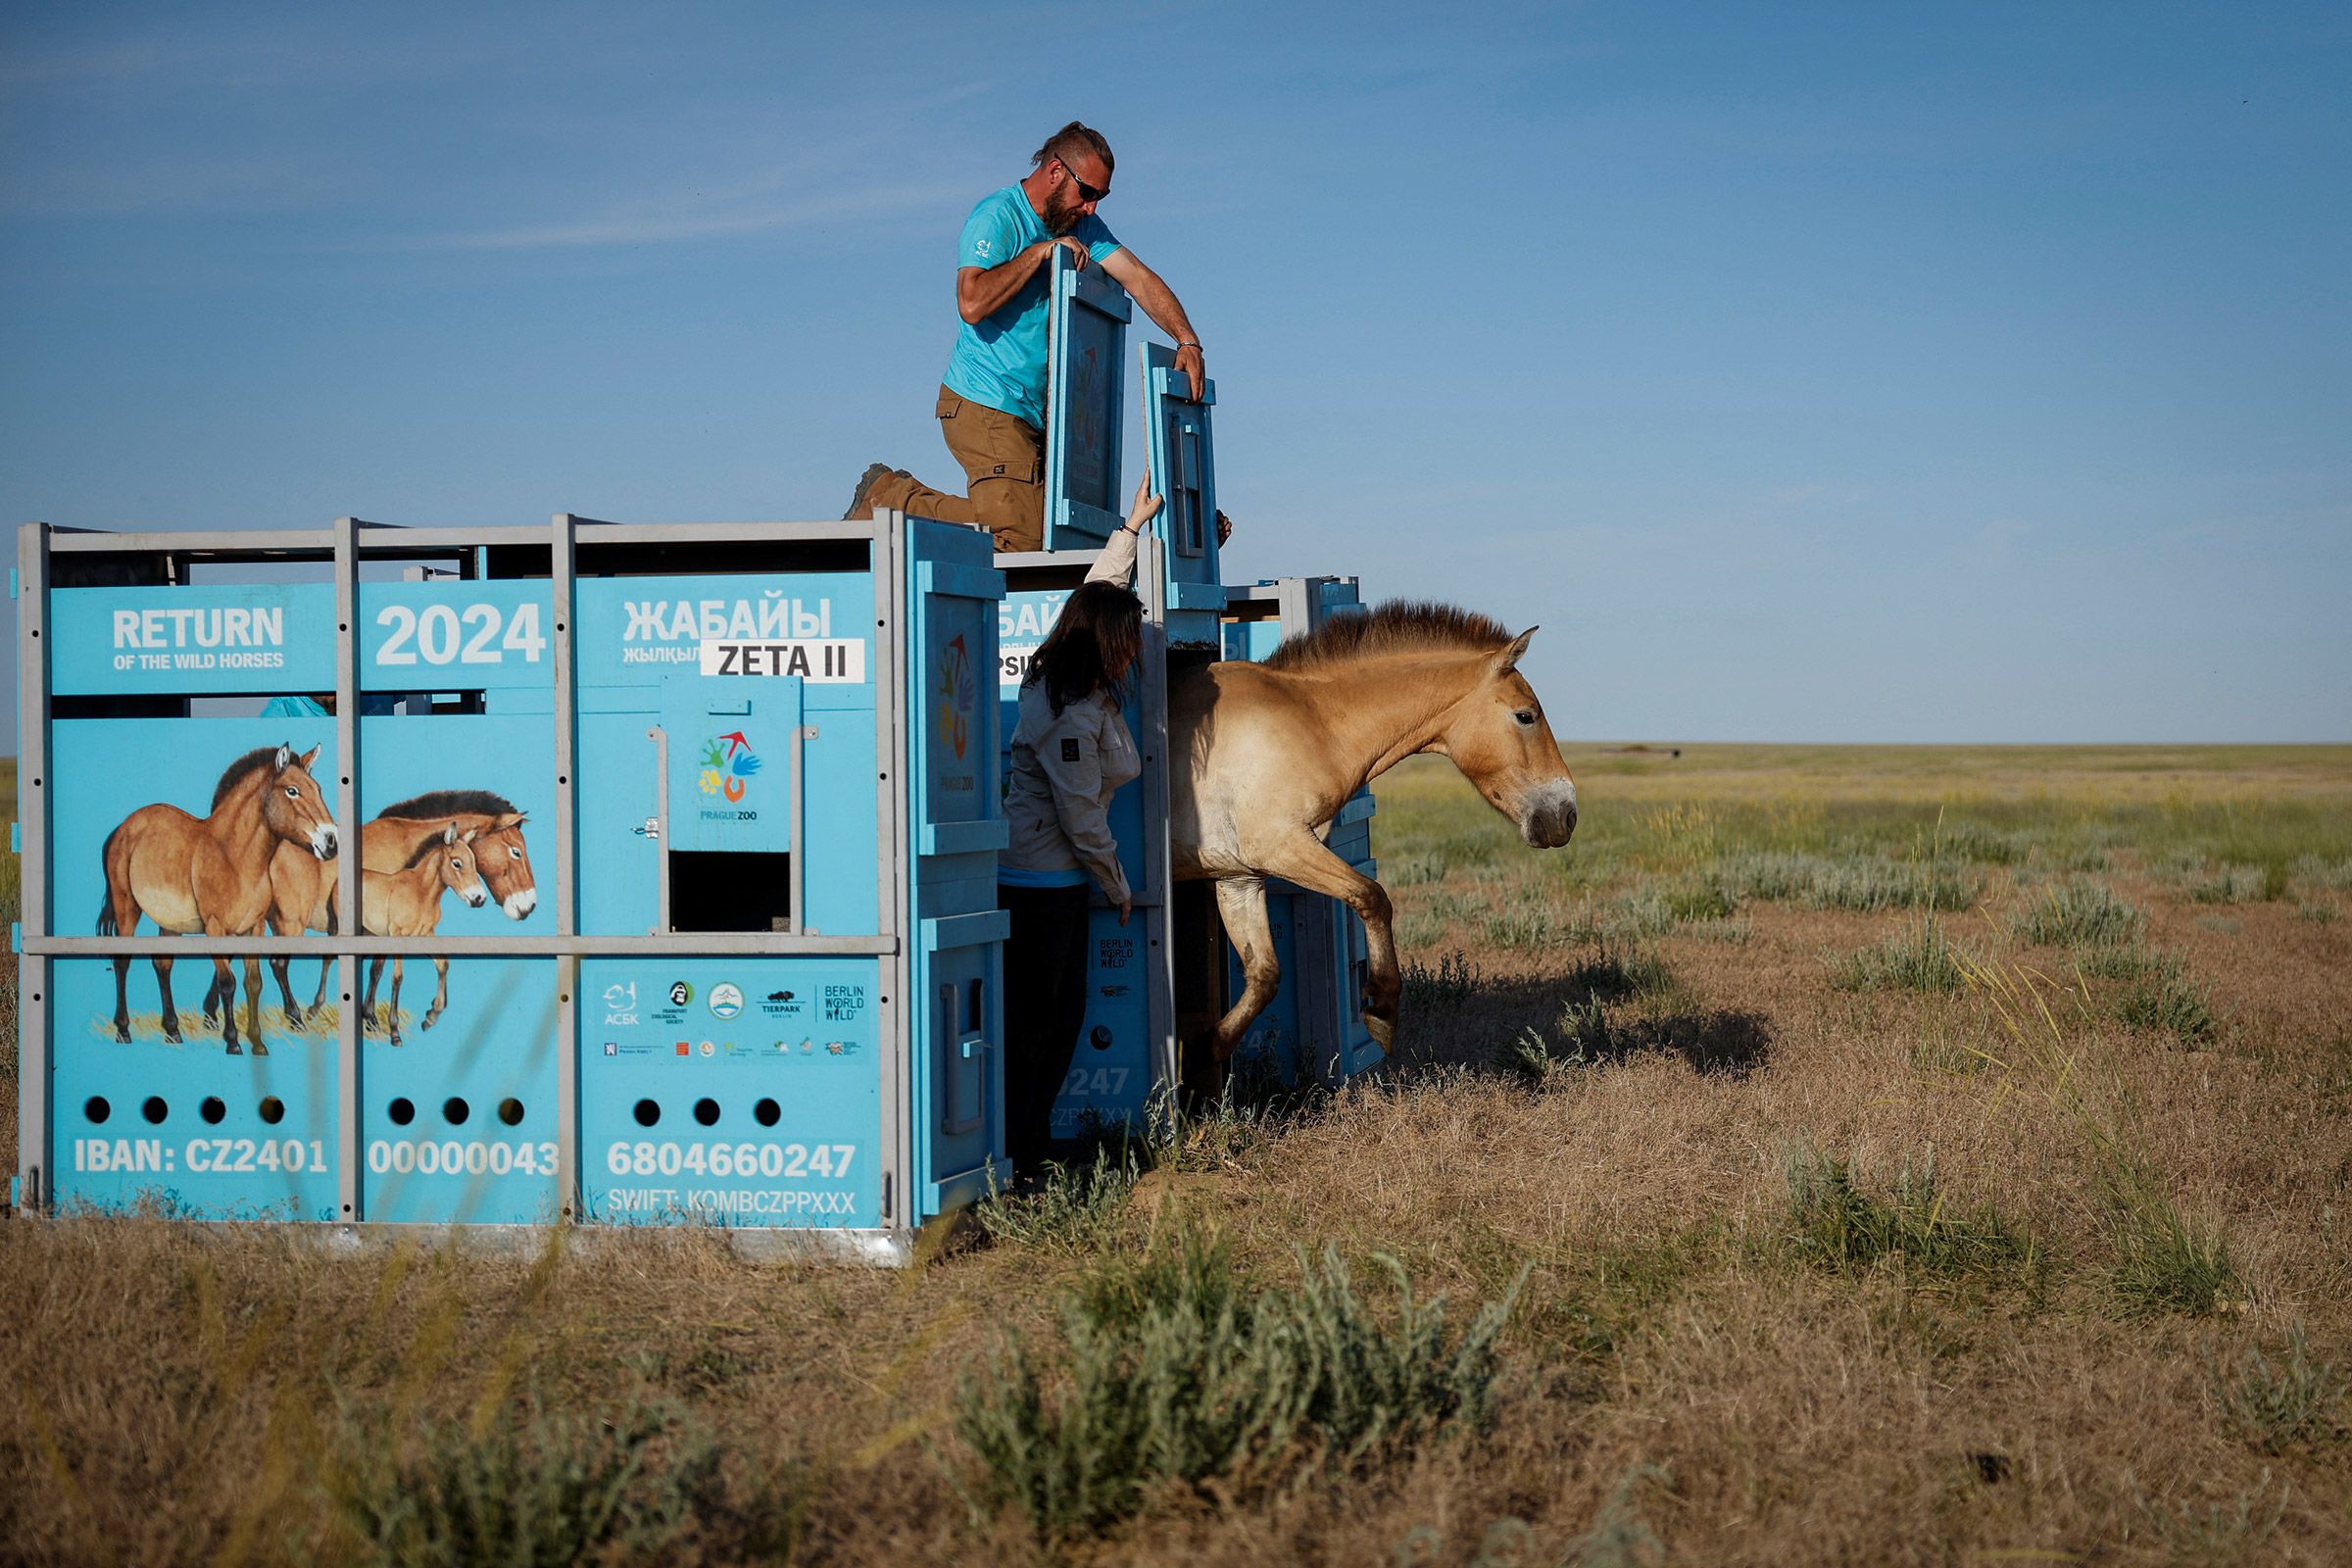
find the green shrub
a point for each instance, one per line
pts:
(2166, 1261)
(551, 1488)
(2232, 884)
(1701, 899)
(2079, 913)
(2279, 1407)
(1072, 1209)
(2165, 1001)
(1920, 957)
(1173, 1375)
(1835, 1225)
(1443, 989)
(2317, 910)
(1621, 971)
(1581, 1038)
(2119, 961)
(1870, 886)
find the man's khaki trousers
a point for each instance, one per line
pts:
(1004, 461)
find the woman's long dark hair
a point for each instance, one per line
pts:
(1101, 630)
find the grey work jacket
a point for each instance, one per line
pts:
(1066, 766)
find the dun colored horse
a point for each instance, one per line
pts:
(407, 903)
(1276, 748)
(211, 874)
(303, 892)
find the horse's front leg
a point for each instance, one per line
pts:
(1241, 900)
(279, 966)
(1303, 859)
(440, 991)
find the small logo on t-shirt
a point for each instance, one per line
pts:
(981, 247)
(1069, 751)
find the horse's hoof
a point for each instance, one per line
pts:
(235, 1049)
(121, 1034)
(1382, 1030)
(171, 1035)
(260, 1050)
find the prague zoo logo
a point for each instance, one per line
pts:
(958, 691)
(728, 763)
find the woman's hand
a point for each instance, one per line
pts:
(1126, 908)
(1146, 505)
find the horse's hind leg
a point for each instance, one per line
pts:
(163, 984)
(375, 972)
(224, 985)
(440, 991)
(122, 1000)
(1304, 860)
(1241, 900)
(392, 1023)
(253, 1006)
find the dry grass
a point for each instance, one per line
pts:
(1812, 1274)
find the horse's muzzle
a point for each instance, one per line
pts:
(1547, 820)
(520, 905)
(323, 842)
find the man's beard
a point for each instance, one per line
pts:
(1060, 216)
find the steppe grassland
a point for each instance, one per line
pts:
(1890, 1155)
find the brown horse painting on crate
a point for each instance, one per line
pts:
(1275, 749)
(303, 891)
(211, 875)
(407, 903)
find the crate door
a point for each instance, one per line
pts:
(1179, 436)
(957, 825)
(1085, 350)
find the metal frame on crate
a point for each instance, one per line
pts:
(344, 545)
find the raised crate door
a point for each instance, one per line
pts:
(1086, 348)
(1179, 437)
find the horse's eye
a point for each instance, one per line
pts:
(293, 792)
(1526, 716)
(513, 855)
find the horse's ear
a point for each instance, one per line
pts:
(448, 834)
(285, 754)
(469, 834)
(308, 757)
(510, 819)
(1508, 659)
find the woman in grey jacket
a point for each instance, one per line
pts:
(1070, 753)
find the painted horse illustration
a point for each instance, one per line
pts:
(407, 903)
(303, 892)
(212, 875)
(1275, 749)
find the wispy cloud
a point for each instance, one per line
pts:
(707, 214)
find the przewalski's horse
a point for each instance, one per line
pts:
(303, 892)
(1276, 748)
(407, 903)
(212, 875)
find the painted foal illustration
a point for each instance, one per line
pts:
(407, 903)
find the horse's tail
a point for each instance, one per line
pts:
(106, 899)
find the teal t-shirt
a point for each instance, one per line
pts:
(1001, 360)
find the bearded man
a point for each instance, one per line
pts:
(992, 403)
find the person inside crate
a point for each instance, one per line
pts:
(1071, 752)
(992, 401)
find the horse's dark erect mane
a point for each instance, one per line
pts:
(450, 803)
(1397, 627)
(259, 757)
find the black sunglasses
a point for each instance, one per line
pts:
(1086, 192)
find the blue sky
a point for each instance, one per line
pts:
(1963, 373)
